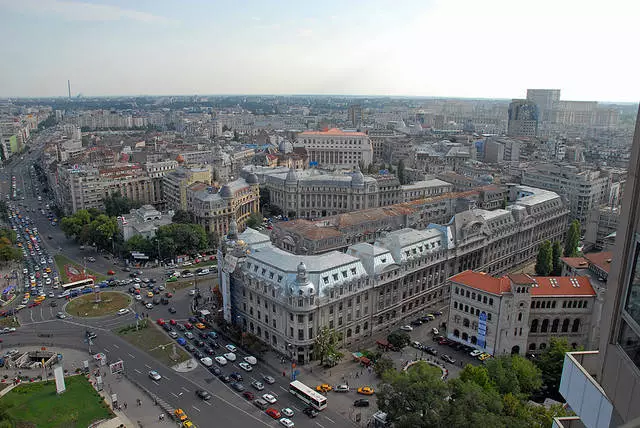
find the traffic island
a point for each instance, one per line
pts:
(149, 338)
(110, 303)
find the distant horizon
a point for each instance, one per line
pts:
(219, 95)
(494, 49)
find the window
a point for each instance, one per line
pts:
(300, 318)
(520, 316)
(310, 316)
(310, 332)
(339, 321)
(545, 326)
(490, 302)
(534, 326)
(331, 324)
(554, 325)
(576, 325)
(565, 325)
(290, 317)
(300, 334)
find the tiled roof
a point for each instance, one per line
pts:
(333, 131)
(562, 286)
(601, 260)
(575, 262)
(482, 281)
(521, 278)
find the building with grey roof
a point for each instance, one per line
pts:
(285, 299)
(143, 221)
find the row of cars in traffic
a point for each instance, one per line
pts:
(363, 390)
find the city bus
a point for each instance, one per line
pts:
(308, 395)
(78, 285)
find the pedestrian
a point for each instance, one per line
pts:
(125, 405)
(284, 374)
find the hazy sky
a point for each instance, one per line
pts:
(461, 48)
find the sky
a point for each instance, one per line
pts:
(440, 48)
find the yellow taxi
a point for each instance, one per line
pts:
(188, 424)
(39, 299)
(324, 388)
(149, 293)
(180, 415)
(48, 269)
(484, 356)
(200, 326)
(365, 390)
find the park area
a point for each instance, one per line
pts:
(86, 305)
(38, 405)
(152, 340)
(71, 271)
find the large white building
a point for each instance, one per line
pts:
(335, 148)
(285, 299)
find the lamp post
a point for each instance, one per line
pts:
(293, 365)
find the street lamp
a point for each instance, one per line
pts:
(293, 366)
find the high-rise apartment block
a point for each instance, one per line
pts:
(546, 100)
(356, 116)
(523, 119)
(603, 387)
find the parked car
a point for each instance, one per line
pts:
(362, 402)
(448, 359)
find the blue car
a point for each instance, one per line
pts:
(182, 341)
(213, 335)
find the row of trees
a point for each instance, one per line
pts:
(8, 251)
(548, 258)
(171, 240)
(496, 394)
(91, 227)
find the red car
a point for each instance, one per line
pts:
(274, 413)
(188, 325)
(169, 295)
(173, 322)
(161, 321)
(248, 395)
(111, 272)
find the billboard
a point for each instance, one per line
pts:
(117, 367)
(58, 372)
(482, 329)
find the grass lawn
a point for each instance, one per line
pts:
(85, 306)
(62, 260)
(9, 322)
(37, 404)
(155, 342)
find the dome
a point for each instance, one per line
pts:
(285, 146)
(292, 176)
(225, 192)
(252, 179)
(358, 178)
(179, 159)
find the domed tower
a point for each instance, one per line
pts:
(252, 179)
(233, 230)
(225, 192)
(304, 286)
(357, 180)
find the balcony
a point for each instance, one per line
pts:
(583, 393)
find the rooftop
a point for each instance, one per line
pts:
(601, 260)
(562, 286)
(482, 281)
(575, 262)
(333, 131)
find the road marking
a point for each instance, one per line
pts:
(195, 408)
(207, 403)
(131, 356)
(116, 346)
(106, 350)
(137, 371)
(157, 384)
(147, 366)
(185, 389)
(175, 395)
(330, 420)
(244, 411)
(296, 408)
(283, 388)
(164, 377)
(319, 424)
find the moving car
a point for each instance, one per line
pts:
(342, 388)
(287, 412)
(406, 328)
(221, 360)
(324, 387)
(362, 402)
(448, 359)
(286, 422)
(269, 398)
(475, 353)
(155, 375)
(257, 385)
(245, 366)
(274, 413)
(268, 379)
(202, 394)
(310, 411)
(365, 390)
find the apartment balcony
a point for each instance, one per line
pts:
(583, 393)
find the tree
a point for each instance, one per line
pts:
(399, 339)
(514, 374)
(116, 204)
(382, 365)
(550, 362)
(214, 240)
(557, 253)
(254, 220)
(181, 216)
(402, 173)
(179, 238)
(325, 343)
(139, 243)
(573, 239)
(544, 260)
(414, 398)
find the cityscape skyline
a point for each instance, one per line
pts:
(333, 49)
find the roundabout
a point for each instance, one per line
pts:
(443, 370)
(110, 303)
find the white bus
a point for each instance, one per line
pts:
(78, 285)
(308, 395)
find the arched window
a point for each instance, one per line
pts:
(366, 326)
(519, 316)
(534, 326)
(554, 325)
(565, 325)
(474, 340)
(545, 326)
(357, 329)
(456, 333)
(465, 337)
(465, 322)
(576, 325)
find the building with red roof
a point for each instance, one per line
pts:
(519, 313)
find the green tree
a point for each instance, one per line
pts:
(139, 243)
(102, 231)
(557, 253)
(402, 175)
(179, 238)
(214, 240)
(325, 343)
(472, 406)
(382, 365)
(116, 204)
(544, 260)
(399, 339)
(514, 374)
(181, 216)
(254, 220)
(414, 398)
(550, 363)
(573, 239)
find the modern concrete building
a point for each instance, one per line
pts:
(584, 189)
(285, 299)
(523, 119)
(335, 148)
(175, 183)
(547, 101)
(603, 387)
(518, 313)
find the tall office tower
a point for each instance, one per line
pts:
(523, 119)
(547, 101)
(355, 114)
(603, 387)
